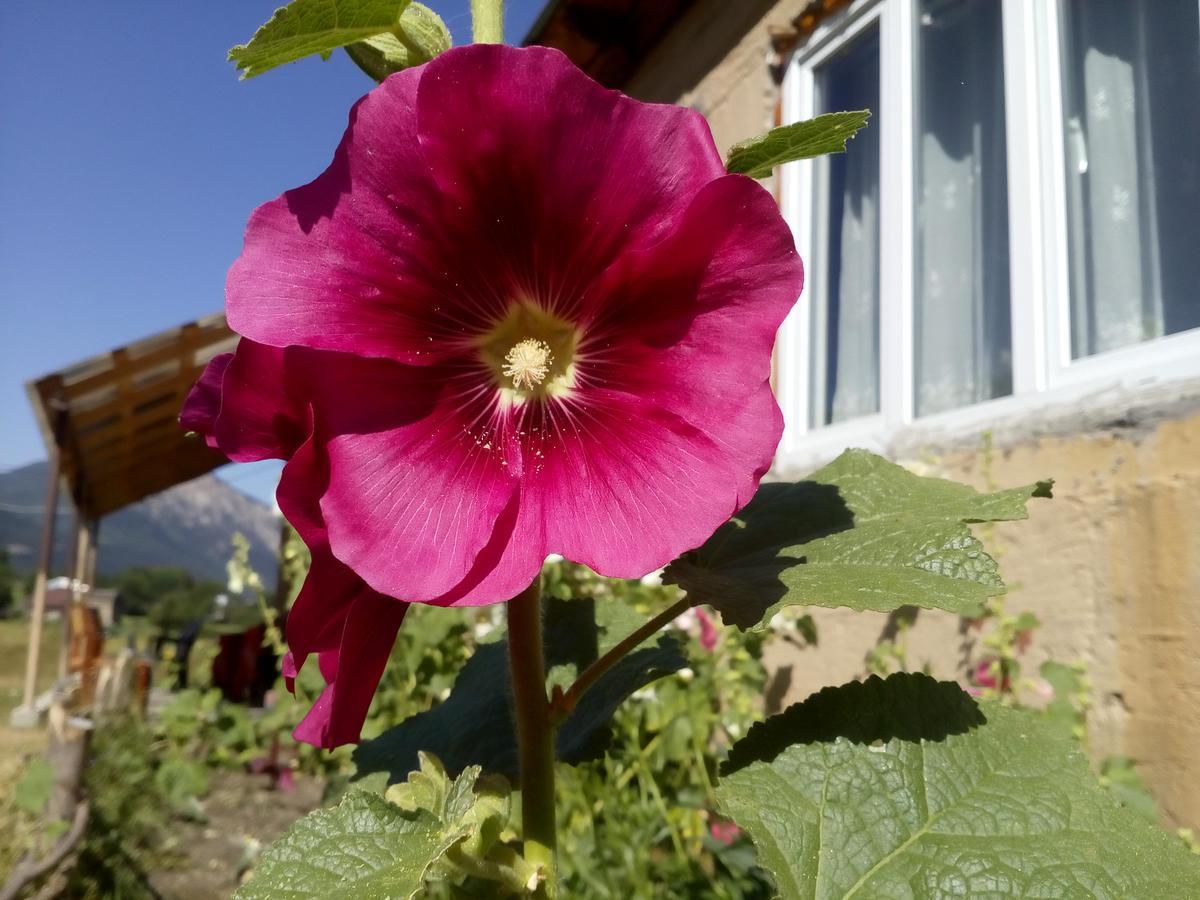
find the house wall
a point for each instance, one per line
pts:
(1111, 567)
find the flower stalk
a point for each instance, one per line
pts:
(487, 21)
(535, 733)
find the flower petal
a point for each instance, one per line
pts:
(260, 415)
(417, 481)
(353, 671)
(693, 322)
(203, 402)
(345, 262)
(627, 486)
(554, 174)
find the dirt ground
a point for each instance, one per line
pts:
(241, 809)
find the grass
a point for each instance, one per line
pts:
(14, 640)
(18, 743)
(14, 643)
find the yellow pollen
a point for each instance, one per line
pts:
(527, 363)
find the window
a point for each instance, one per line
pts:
(1132, 122)
(1018, 225)
(844, 362)
(961, 301)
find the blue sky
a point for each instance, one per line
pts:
(130, 158)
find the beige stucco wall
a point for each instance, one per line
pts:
(1111, 567)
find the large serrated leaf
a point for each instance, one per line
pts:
(905, 788)
(307, 27)
(474, 725)
(365, 848)
(758, 156)
(862, 533)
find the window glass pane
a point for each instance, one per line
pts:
(962, 323)
(845, 326)
(1131, 98)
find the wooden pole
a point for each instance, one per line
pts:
(39, 588)
(76, 566)
(89, 573)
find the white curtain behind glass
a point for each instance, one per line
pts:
(845, 352)
(1132, 102)
(962, 305)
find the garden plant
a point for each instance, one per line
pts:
(521, 316)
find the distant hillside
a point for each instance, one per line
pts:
(189, 525)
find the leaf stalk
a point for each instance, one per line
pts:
(564, 703)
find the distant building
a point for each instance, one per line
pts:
(59, 594)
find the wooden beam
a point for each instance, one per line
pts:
(39, 583)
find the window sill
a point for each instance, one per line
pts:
(1130, 390)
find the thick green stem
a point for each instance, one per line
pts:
(487, 20)
(535, 733)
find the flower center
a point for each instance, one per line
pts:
(530, 354)
(528, 363)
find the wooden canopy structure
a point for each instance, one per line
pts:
(111, 427)
(112, 421)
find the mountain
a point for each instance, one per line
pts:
(190, 526)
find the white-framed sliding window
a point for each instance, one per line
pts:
(1014, 233)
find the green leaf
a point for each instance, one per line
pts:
(473, 726)
(422, 35)
(32, 792)
(367, 847)
(905, 788)
(829, 133)
(307, 27)
(1120, 775)
(862, 533)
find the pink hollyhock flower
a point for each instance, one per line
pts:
(244, 404)
(724, 831)
(985, 675)
(552, 313)
(518, 315)
(708, 631)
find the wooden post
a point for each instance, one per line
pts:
(89, 572)
(25, 714)
(67, 751)
(75, 568)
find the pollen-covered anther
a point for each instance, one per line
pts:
(527, 363)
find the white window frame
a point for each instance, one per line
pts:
(1045, 377)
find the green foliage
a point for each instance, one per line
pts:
(907, 788)
(371, 847)
(829, 133)
(32, 791)
(128, 832)
(202, 725)
(1067, 709)
(638, 822)
(422, 35)
(473, 725)
(862, 533)
(181, 782)
(169, 596)
(1119, 774)
(307, 27)
(10, 585)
